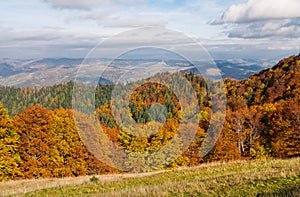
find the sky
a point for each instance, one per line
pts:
(231, 29)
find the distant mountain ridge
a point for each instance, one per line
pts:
(49, 71)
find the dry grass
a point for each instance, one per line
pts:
(25, 186)
(231, 179)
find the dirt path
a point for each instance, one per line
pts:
(25, 186)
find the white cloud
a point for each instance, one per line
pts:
(258, 10)
(286, 28)
(232, 48)
(131, 22)
(82, 28)
(87, 4)
(112, 13)
(257, 19)
(213, 72)
(32, 43)
(121, 19)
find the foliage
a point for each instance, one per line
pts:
(9, 156)
(50, 145)
(94, 179)
(41, 139)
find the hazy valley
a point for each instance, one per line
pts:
(47, 72)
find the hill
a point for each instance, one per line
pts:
(281, 82)
(40, 137)
(255, 178)
(268, 105)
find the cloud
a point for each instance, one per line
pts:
(87, 4)
(259, 19)
(32, 43)
(40, 43)
(260, 10)
(287, 28)
(232, 48)
(117, 18)
(131, 23)
(112, 13)
(213, 72)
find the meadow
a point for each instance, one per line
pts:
(241, 178)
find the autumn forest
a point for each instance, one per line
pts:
(39, 135)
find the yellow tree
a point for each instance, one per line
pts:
(9, 156)
(71, 152)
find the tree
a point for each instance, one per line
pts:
(36, 142)
(72, 155)
(284, 132)
(236, 121)
(9, 156)
(254, 129)
(226, 148)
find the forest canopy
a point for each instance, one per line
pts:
(39, 136)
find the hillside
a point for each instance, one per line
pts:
(269, 104)
(255, 178)
(40, 135)
(280, 82)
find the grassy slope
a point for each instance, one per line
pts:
(232, 179)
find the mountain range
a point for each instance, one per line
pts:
(51, 71)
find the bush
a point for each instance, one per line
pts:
(94, 179)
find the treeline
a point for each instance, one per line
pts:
(39, 137)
